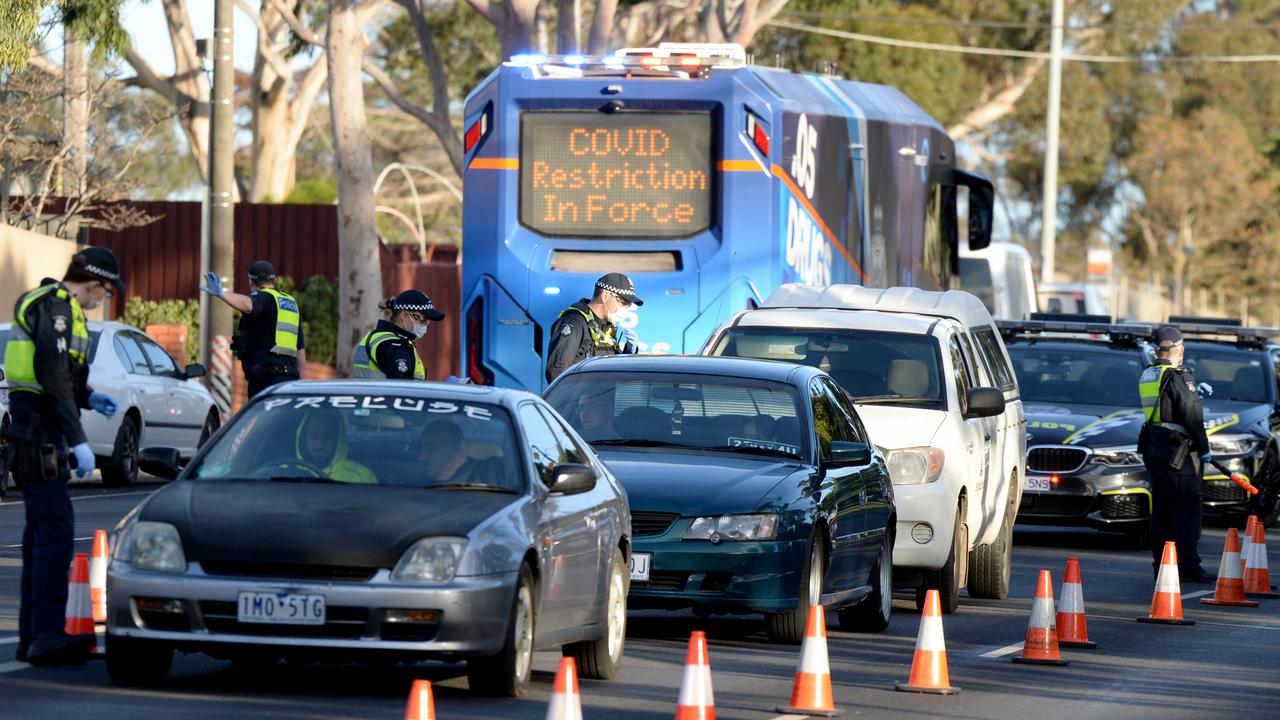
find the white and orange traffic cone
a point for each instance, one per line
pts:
(1245, 541)
(811, 694)
(1166, 603)
(697, 701)
(1072, 630)
(98, 576)
(422, 706)
(1041, 645)
(929, 666)
(565, 703)
(79, 607)
(1230, 587)
(1257, 575)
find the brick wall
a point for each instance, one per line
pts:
(173, 338)
(240, 389)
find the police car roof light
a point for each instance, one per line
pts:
(1128, 333)
(1241, 335)
(1071, 317)
(1194, 320)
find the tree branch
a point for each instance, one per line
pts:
(999, 106)
(273, 58)
(441, 126)
(431, 55)
(308, 90)
(303, 32)
(484, 8)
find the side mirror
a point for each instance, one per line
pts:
(571, 479)
(195, 370)
(163, 462)
(985, 402)
(982, 201)
(849, 453)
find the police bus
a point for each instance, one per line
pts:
(708, 180)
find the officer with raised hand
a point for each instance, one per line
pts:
(599, 326)
(271, 347)
(388, 352)
(46, 363)
(1174, 447)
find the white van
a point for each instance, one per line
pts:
(1073, 299)
(934, 385)
(1001, 276)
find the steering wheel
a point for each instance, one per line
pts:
(274, 469)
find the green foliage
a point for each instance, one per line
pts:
(318, 304)
(98, 22)
(141, 313)
(18, 20)
(313, 191)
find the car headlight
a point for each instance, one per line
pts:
(914, 466)
(154, 546)
(733, 527)
(1232, 444)
(1120, 456)
(430, 560)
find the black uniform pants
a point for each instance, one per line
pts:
(1175, 508)
(259, 378)
(49, 534)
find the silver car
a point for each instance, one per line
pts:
(400, 521)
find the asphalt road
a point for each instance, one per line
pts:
(1223, 666)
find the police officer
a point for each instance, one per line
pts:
(46, 365)
(271, 347)
(1174, 447)
(387, 352)
(598, 326)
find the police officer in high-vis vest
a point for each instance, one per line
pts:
(603, 325)
(1174, 448)
(46, 367)
(387, 352)
(271, 347)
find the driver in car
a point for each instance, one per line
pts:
(322, 444)
(595, 411)
(445, 460)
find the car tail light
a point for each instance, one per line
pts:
(759, 136)
(478, 130)
(476, 370)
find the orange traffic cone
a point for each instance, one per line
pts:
(811, 694)
(1257, 576)
(1166, 603)
(1071, 621)
(1041, 646)
(98, 576)
(1245, 541)
(697, 702)
(421, 704)
(565, 702)
(1230, 587)
(929, 668)
(79, 607)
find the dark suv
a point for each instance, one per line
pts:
(1238, 368)
(1079, 380)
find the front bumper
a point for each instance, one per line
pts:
(743, 577)
(1101, 497)
(1219, 495)
(473, 613)
(932, 504)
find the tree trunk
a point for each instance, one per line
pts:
(601, 26)
(75, 115)
(568, 15)
(359, 268)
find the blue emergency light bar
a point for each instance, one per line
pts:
(1226, 328)
(1072, 325)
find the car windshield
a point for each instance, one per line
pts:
(1082, 375)
(682, 410)
(869, 365)
(1233, 374)
(369, 440)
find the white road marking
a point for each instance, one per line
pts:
(791, 717)
(1201, 593)
(1001, 652)
(9, 641)
(10, 547)
(13, 666)
(87, 497)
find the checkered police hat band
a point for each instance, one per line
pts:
(416, 308)
(616, 291)
(106, 274)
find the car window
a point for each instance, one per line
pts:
(848, 411)
(974, 364)
(1080, 375)
(989, 346)
(569, 450)
(543, 444)
(959, 372)
(1233, 374)
(830, 421)
(131, 355)
(373, 440)
(161, 363)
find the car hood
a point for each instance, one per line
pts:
(892, 427)
(693, 484)
(1107, 426)
(354, 525)
(1230, 416)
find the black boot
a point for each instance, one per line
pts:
(61, 649)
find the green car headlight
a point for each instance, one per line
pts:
(733, 527)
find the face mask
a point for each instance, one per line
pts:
(420, 330)
(620, 314)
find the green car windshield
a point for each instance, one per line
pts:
(368, 440)
(683, 410)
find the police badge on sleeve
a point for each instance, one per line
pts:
(402, 365)
(60, 323)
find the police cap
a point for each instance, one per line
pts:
(262, 271)
(619, 285)
(1167, 336)
(415, 301)
(100, 262)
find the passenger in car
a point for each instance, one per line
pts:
(322, 443)
(446, 459)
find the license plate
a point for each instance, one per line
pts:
(280, 608)
(1038, 484)
(640, 566)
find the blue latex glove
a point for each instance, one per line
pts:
(103, 404)
(84, 460)
(213, 285)
(455, 380)
(1206, 458)
(631, 341)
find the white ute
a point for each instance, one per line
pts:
(934, 385)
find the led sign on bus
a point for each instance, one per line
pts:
(588, 174)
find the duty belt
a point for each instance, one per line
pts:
(1174, 427)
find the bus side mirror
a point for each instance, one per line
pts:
(982, 201)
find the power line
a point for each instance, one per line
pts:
(1021, 25)
(1026, 54)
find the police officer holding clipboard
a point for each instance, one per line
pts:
(271, 346)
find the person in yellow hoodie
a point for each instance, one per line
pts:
(322, 443)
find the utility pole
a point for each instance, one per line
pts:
(221, 233)
(1049, 219)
